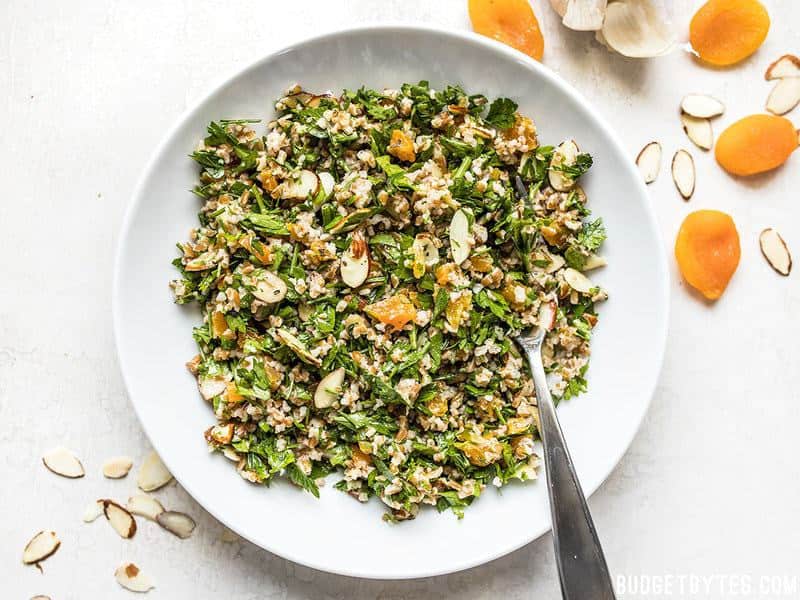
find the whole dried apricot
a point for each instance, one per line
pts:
(723, 32)
(707, 250)
(511, 22)
(756, 144)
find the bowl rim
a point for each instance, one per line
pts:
(389, 28)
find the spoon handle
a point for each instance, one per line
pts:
(582, 568)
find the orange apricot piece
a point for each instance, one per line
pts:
(756, 144)
(707, 250)
(401, 146)
(218, 324)
(396, 311)
(723, 32)
(511, 22)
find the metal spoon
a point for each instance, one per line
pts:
(582, 568)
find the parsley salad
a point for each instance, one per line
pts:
(362, 267)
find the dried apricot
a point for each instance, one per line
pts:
(396, 311)
(218, 324)
(756, 144)
(707, 250)
(511, 22)
(723, 32)
(401, 146)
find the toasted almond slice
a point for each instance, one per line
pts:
(120, 519)
(578, 281)
(304, 185)
(211, 387)
(327, 182)
(460, 245)
(556, 262)
(565, 155)
(291, 341)
(117, 467)
(92, 511)
(683, 173)
(177, 523)
(649, 161)
(228, 536)
(787, 65)
(131, 578)
(63, 462)
(40, 597)
(584, 15)
(329, 389)
(637, 29)
(784, 96)
(702, 106)
(270, 288)
(593, 261)
(354, 266)
(42, 546)
(548, 311)
(153, 474)
(144, 506)
(775, 251)
(698, 130)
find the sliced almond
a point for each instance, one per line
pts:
(120, 519)
(42, 546)
(144, 506)
(329, 388)
(548, 312)
(637, 29)
(460, 245)
(556, 262)
(270, 288)
(649, 161)
(565, 155)
(784, 96)
(93, 511)
(303, 185)
(63, 462)
(584, 15)
(117, 467)
(354, 266)
(593, 261)
(578, 281)
(177, 523)
(787, 65)
(424, 246)
(131, 578)
(683, 173)
(211, 387)
(228, 536)
(327, 182)
(702, 106)
(40, 597)
(153, 474)
(698, 130)
(287, 338)
(775, 251)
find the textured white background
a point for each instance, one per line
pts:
(87, 88)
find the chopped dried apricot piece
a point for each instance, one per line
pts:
(232, 395)
(396, 311)
(218, 324)
(511, 22)
(723, 32)
(756, 144)
(401, 146)
(707, 250)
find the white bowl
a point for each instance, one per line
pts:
(336, 533)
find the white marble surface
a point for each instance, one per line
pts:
(709, 487)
